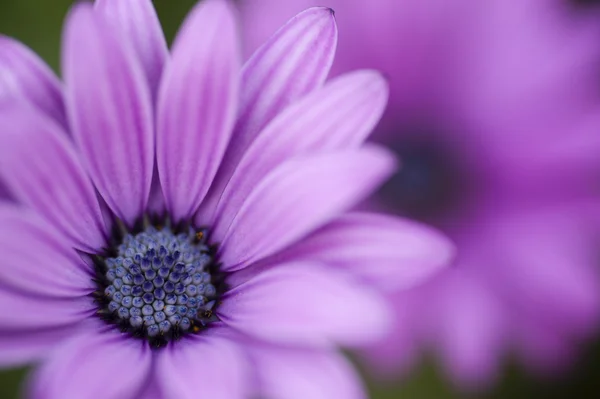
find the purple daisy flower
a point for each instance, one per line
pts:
(180, 225)
(494, 113)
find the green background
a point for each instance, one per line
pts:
(38, 24)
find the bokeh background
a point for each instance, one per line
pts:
(38, 24)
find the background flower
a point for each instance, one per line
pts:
(495, 115)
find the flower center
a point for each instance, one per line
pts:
(158, 284)
(429, 182)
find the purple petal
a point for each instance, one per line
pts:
(391, 252)
(292, 63)
(37, 260)
(400, 350)
(295, 61)
(285, 373)
(338, 116)
(304, 303)
(207, 366)
(469, 328)
(197, 105)
(5, 194)
(152, 389)
(297, 197)
(92, 364)
(546, 256)
(110, 110)
(41, 169)
(139, 23)
(25, 312)
(22, 347)
(24, 76)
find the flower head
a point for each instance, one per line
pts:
(180, 224)
(494, 114)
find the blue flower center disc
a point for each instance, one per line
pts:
(159, 284)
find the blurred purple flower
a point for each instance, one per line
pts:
(494, 114)
(180, 231)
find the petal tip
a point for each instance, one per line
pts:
(322, 17)
(375, 79)
(385, 158)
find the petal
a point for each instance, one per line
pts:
(400, 350)
(469, 328)
(304, 303)
(292, 63)
(108, 364)
(41, 169)
(109, 107)
(197, 105)
(23, 75)
(23, 312)
(299, 196)
(549, 271)
(286, 373)
(139, 23)
(338, 116)
(22, 347)
(37, 260)
(152, 390)
(204, 366)
(5, 194)
(391, 252)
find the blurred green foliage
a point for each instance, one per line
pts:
(38, 23)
